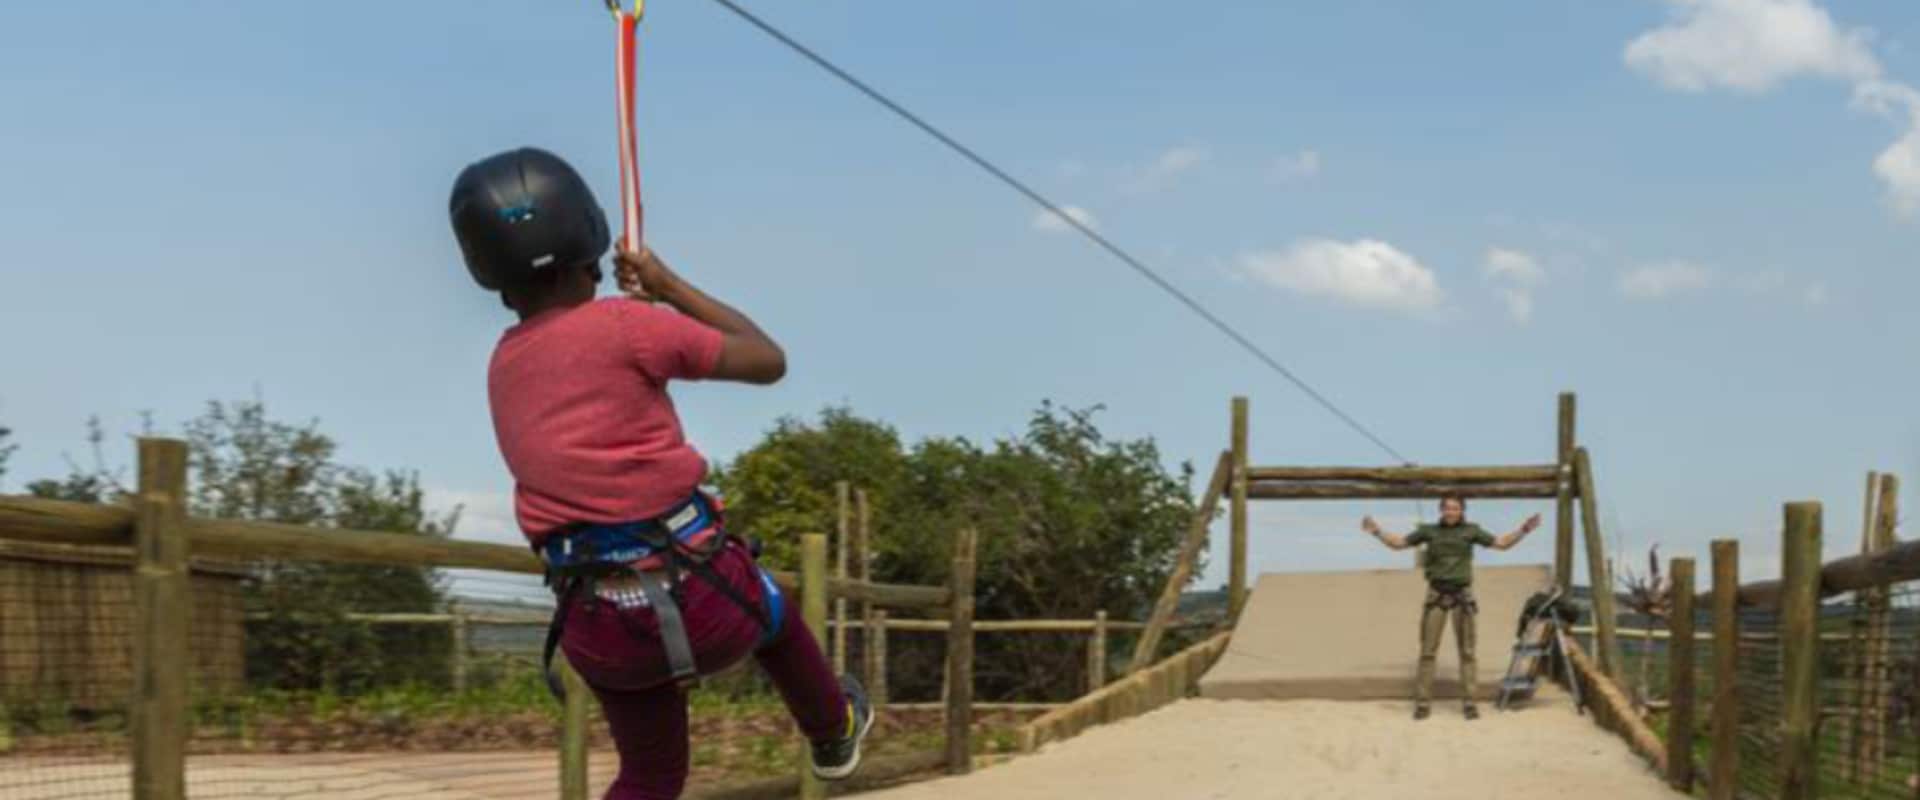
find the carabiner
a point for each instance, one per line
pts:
(639, 9)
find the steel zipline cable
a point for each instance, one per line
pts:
(1053, 208)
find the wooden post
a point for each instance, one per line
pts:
(457, 659)
(163, 603)
(1880, 631)
(1800, 649)
(1563, 503)
(813, 610)
(1598, 574)
(1680, 678)
(960, 657)
(1725, 754)
(573, 732)
(843, 533)
(1183, 565)
(877, 657)
(1097, 653)
(1859, 656)
(863, 563)
(1237, 566)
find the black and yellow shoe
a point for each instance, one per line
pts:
(839, 758)
(1421, 712)
(1470, 711)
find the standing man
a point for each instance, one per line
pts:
(1449, 567)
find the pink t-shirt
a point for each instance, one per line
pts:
(581, 411)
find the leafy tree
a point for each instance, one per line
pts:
(95, 484)
(784, 486)
(1070, 523)
(246, 465)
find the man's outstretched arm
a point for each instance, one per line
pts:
(1508, 541)
(1392, 540)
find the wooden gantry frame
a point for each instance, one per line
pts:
(1567, 480)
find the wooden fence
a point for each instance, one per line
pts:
(1806, 685)
(160, 537)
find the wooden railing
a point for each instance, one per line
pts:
(1173, 679)
(161, 538)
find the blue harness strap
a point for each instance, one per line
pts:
(580, 555)
(775, 603)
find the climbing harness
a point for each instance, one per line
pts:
(627, 26)
(1448, 598)
(642, 564)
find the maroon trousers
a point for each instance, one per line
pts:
(618, 652)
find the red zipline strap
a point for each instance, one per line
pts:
(628, 25)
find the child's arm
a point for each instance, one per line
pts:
(747, 354)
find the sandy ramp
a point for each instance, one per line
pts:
(1319, 750)
(1356, 635)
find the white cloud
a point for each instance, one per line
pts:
(1519, 303)
(1655, 281)
(1753, 45)
(1298, 166)
(1166, 167)
(1750, 46)
(1816, 294)
(1515, 274)
(1177, 160)
(1367, 273)
(1044, 220)
(1765, 282)
(1514, 266)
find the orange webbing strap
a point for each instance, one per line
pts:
(627, 25)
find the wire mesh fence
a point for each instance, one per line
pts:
(66, 672)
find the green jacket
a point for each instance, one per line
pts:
(1450, 551)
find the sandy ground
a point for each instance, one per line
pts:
(1319, 750)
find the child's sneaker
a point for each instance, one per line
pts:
(837, 759)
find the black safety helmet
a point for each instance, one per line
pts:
(523, 211)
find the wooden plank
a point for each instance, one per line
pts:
(573, 732)
(1183, 564)
(863, 570)
(813, 612)
(1097, 653)
(1724, 750)
(1412, 490)
(842, 534)
(458, 631)
(1563, 497)
(1598, 577)
(1879, 627)
(1680, 678)
(161, 725)
(1504, 474)
(1800, 644)
(877, 647)
(960, 656)
(32, 519)
(245, 540)
(1237, 512)
(1142, 691)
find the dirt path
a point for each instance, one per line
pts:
(1319, 750)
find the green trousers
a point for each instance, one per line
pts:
(1433, 620)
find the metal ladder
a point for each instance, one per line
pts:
(1540, 637)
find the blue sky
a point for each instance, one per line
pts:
(1698, 214)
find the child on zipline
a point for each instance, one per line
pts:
(653, 591)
